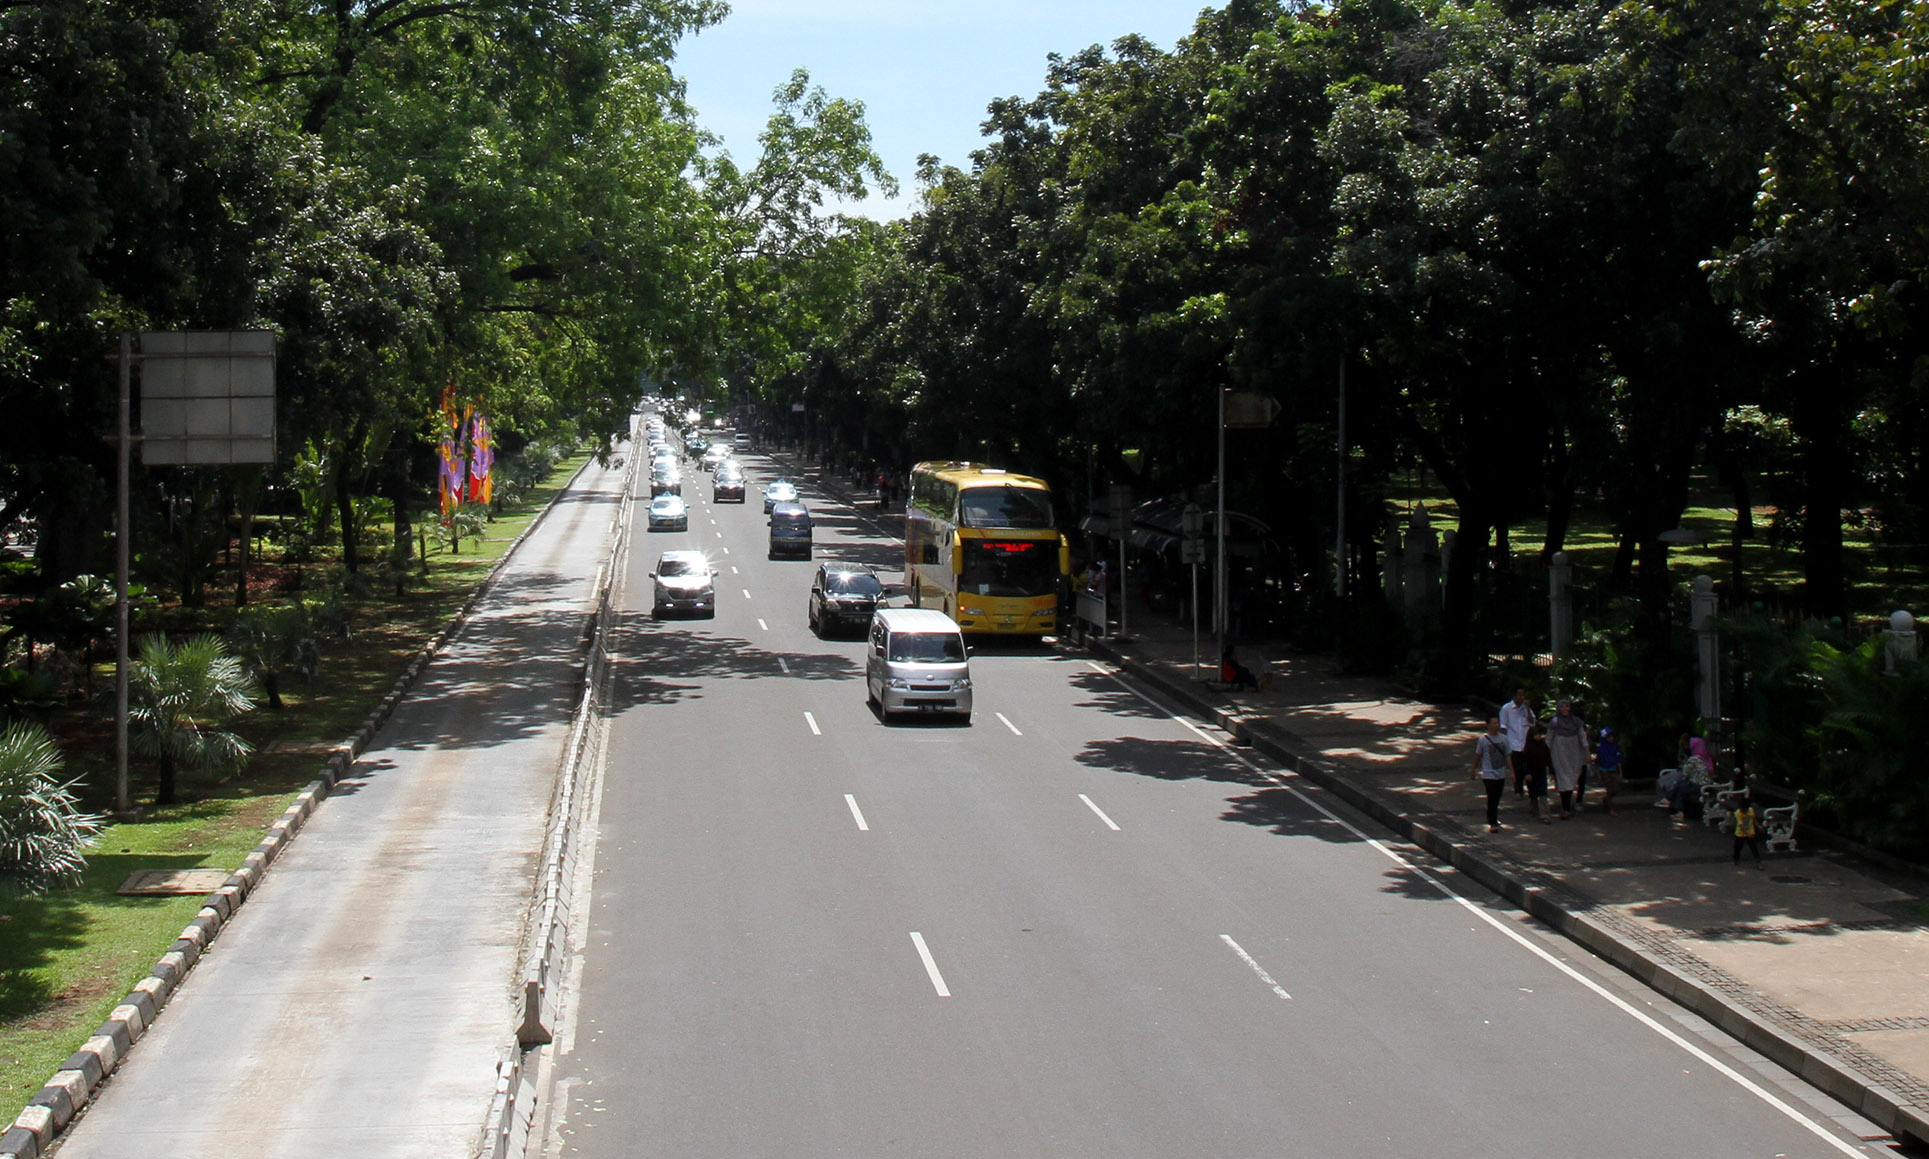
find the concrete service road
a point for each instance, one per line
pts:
(358, 1003)
(1076, 927)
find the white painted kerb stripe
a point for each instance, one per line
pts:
(1257, 968)
(1101, 813)
(812, 721)
(857, 814)
(930, 964)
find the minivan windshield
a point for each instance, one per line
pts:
(677, 567)
(853, 584)
(928, 647)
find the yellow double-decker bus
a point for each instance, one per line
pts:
(981, 545)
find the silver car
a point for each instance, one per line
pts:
(685, 582)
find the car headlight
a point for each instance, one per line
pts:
(964, 611)
(898, 684)
(960, 684)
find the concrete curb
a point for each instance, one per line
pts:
(66, 1095)
(1545, 900)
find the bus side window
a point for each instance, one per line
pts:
(930, 553)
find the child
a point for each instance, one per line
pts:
(1607, 758)
(1534, 756)
(1748, 830)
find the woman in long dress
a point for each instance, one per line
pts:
(1567, 741)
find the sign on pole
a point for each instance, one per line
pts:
(207, 397)
(1250, 410)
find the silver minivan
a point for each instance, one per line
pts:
(917, 662)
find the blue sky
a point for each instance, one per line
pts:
(924, 70)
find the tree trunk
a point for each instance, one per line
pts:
(345, 504)
(398, 496)
(165, 792)
(1453, 663)
(247, 495)
(1560, 498)
(1819, 421)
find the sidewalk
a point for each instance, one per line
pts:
(1816, 961)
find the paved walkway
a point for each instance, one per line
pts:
(1817, 960)
(360, 1001)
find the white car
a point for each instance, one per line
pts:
(685, 582)
(669, 513)
(781, 491)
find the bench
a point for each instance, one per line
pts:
(1719, 800)
(1778, 825)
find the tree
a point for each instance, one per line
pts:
(43, 833)
(183, 696)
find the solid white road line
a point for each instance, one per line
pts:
(1101, 813)
(1257, 968)
(1008, 724)
(930, 964)
(784, 664)
(812, 721)
(857, 814)
(761, 624)
(1480, 912)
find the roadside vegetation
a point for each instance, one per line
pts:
(69, 951)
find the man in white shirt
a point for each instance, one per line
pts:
(1516, 720)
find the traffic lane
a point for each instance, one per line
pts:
(744, 960)
(920, 754)
(1440, 985)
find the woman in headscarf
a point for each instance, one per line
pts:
(1567, 741)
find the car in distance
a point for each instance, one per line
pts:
(726, 486)
(714, 455)
(669, 513)
(843, 595)
(779, 491)
(916, 661)
(685, 582)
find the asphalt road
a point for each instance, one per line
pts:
(358, 1003)
(1078, 926)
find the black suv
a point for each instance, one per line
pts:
(726, 486)
(843, 594)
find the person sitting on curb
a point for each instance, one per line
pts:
(1234, 674)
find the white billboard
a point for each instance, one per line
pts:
(207, 397)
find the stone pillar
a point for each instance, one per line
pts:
(1900, 648)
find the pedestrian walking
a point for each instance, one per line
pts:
(1492, 763)
(1516, 717)
(1535, 757)
(1748, 830)
(1607, 758)
(1567, 741)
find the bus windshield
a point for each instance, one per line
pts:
(1005, 506)
(1026, 567)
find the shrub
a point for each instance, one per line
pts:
(43, 834)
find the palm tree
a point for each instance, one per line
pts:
(183, 697)
(42, 833)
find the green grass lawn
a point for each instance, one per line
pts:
(1880, 577)
(68, 958)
